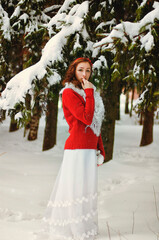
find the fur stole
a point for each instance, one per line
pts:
(99, 107)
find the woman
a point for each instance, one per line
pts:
(72, 209)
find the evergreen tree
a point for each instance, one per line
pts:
(22, 38)
(76, 45)
(11, 49)
(73, 33)
(110, 14)
(135, 46)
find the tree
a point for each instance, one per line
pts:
(25, 21)
(51, 119)
(21, 37)
(11, 58)
(112, 13)
(137, 43)
(73, 33)
(127, 103)
(53, 63)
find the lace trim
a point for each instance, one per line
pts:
(71, 202)
(44, 234)
(92, 232)
(71, 220)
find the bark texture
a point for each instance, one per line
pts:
(132, 99)
(118, 107)
(51, 123)
(34, 125)
(127, 103)
(13, 125)
(147, 132)
(110, 96)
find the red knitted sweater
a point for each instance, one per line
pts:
(79, 114)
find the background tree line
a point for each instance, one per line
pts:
(26, 27)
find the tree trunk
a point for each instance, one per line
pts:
(147, 132)
(28, 107)
(127, 103)
(15, 58)
(51, 124)
(2, 115)
(109, 95)
(13, 125)
(141, 119)
(132, 98)
(34, 124)
(118, 107)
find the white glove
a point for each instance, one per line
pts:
(100, 158)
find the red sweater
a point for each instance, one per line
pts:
(78, 114)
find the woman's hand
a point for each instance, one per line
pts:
(86, 84)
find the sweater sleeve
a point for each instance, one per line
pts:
(100, 146)
(82, 111)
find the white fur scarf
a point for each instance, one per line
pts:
(99, 107)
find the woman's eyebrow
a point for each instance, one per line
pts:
(83, 67)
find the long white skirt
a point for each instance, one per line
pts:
(71, 213)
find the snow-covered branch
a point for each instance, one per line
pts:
(5, 24)
(21, 83)
(132, 30)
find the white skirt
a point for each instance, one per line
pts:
(71, 213)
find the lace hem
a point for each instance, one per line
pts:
(86, 235)
(72, 220)
(43, 234)
(69, 203)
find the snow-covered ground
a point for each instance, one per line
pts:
(126, 185)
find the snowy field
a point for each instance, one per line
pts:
(127, 205)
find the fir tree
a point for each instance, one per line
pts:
(135, 46)
(73, 32)
(112, 13)
(22, 38)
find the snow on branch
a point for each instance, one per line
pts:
(21, 83)
(5, 24)
(142, 97)
(132, 30)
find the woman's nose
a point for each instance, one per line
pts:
(84, 74)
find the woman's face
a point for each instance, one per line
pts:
(83, 70)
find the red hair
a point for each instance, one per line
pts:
(70, 74)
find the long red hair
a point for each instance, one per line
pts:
(70, 74)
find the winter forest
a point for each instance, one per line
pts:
(38, 41)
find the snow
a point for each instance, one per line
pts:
(98, 63)
(77, 43)
(97, 15)
(17, 88)
(66, 5)
(18, 115)
(24, 17)
(16, 12)
(136, 70)
(52, 53)
(50, 9)
(54, 78)
(103, 24)
(4, 21)
(126, 200)
(133, 30)
(143, 3)
(147, 42)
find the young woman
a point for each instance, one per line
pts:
(72, 209)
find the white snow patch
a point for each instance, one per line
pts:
(126, 185)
